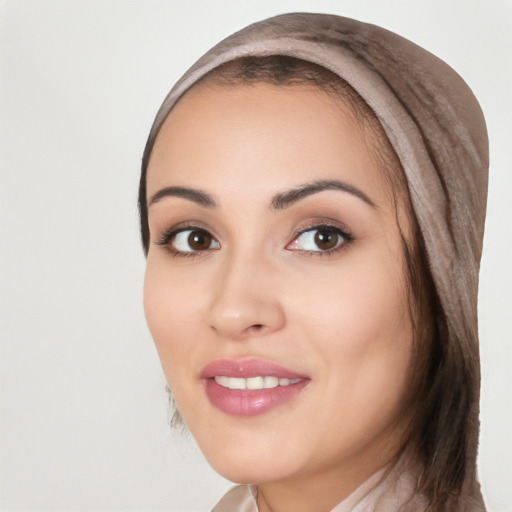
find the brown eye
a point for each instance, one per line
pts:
(320, 239)
(199, 240)
(326, 239)
(193, 240)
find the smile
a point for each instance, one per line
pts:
(267, 382)
(248, 387)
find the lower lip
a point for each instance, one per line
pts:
(250, 402)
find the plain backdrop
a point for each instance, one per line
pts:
(83, 408)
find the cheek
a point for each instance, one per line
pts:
(350, 301)
(363, 343)
(358, 321)
(170, 307)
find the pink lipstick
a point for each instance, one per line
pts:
(246, 387)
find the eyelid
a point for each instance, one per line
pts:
(336, 226)
(170, 233)
(327, 224)
(171, 229)
(322, 223)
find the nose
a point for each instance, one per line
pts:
(245, 302)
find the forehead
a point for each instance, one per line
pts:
(261, 136)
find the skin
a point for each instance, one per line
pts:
(338, 317)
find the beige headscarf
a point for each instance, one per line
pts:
(437, 130)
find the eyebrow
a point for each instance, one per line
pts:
(280, 201)
(284, 199)
(192, 194)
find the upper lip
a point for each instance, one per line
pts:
(245, 368)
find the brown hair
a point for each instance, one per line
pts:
(440, 394)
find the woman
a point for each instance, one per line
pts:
(312, 202)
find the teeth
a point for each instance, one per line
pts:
(236, 383)
(254, 383)
(266, 382)
(223, 381)
(270, 382)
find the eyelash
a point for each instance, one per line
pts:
(346, 239)
(170, 234)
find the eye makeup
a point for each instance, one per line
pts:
(319, 238)
(187, 240)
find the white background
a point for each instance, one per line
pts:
(82, 400)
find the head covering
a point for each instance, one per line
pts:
(434, 124)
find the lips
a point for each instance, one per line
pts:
(250, 387)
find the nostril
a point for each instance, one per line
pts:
(256, 328)
(254, 316)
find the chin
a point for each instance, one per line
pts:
(249, 458)
(249, 471)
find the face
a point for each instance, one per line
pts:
(275, 284)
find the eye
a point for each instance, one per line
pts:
(320, 239)
(189, 241)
